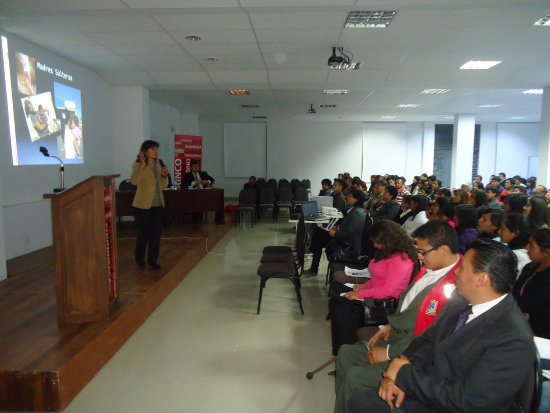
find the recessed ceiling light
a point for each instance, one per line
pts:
(408, 105)
(238, 92)
(259, 117)
(545, 21)
(336, 91)
(327, 106)
(480, 64)
(489, 106)
(434, 91)
(210, 59)
(249, 106)
(518, 117)
(448, 117)
(370, 19)
(388, 117)
(533, 92)
(193, 38)
(347, 66)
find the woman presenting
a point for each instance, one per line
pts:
(150, 178)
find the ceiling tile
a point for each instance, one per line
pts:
(204, 21)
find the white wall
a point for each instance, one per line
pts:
(515, 143)
(27, 218)
(131, 126)
(313, 150)
(385, 148)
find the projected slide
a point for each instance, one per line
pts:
(44, 105)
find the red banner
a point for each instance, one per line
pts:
(186, 148)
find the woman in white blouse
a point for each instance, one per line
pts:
(418, 204)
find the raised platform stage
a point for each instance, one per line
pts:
(44, 366)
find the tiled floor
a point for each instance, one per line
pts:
(205, 350)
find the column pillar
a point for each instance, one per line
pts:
(543, 173)
(428, 147)
(3, 271)
(463, 149)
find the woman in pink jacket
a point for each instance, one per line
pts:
(392, 265)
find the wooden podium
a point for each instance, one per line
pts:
(84, 239)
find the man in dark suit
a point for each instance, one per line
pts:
(195, 178)
(474, 358)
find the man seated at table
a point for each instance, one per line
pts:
(474, 358)
(197, 179)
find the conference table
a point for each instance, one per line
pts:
(179, 201)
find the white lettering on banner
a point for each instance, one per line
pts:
(177, 171)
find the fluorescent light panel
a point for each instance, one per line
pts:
(327, 106)
(480, 64)
(376, 19)
(434, 91)
(518, 117)
(388, 117)
(533, 92)
(336, 91)
(408, 105)
(489, 106)
(238, 92)
(545, 21)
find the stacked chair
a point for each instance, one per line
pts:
(283, 262)
(267, 201)
(284, 200)
(247, 205)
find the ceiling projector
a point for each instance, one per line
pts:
(311, 110)
(335, 61)
(342, 60)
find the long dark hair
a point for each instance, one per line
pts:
(414, 184)
(466, 216)
(542, 238)
(422, 203)
(518, 223)
(539, 211)
(393, 238)
(148, 144)
(446, 207)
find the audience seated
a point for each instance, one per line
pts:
(359, 369)
(251, 184)
(518, 189)
(326, 187)
(443, 209)
(406, 211)
(478, 199)
(339, 202)
(514, 203)
(514, 231)
(387, 208)
(537, 211)
(374, 199)
(419, 205)
(491, 192)
(391, 269)
(475, 358)
(466, 226)
(401, 189)
(461, 197)
(347, 237)
(489, 223)
(532, 288)
(413, 188)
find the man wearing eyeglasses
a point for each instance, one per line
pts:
(359, 369)
(476, 356)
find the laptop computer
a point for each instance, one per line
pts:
(309, 209)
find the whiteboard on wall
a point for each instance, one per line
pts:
(244, 149)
